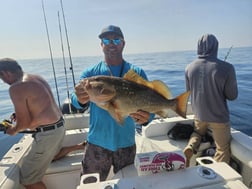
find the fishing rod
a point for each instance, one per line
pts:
(50, 49)
(64, 61)
(69, 52)
(228, 53)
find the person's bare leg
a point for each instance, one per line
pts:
(38, 185)
(67, 149)
(188, 151)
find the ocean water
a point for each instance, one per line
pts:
(166, 66)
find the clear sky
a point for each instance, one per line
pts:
(148, 25)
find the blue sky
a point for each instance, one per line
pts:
(148, 25)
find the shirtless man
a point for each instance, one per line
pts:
(37, 110)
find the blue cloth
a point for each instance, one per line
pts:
(104, 130)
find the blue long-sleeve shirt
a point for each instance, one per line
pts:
(104, 131)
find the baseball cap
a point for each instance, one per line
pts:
(111, 29)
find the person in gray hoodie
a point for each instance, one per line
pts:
(212, 82)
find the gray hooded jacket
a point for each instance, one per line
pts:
(212, 82)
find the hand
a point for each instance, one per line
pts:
(141, 117)
(81, 92)
(11, 129)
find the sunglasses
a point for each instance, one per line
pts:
(108, 41)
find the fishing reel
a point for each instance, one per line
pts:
(5, 122)
(12, 120)
(4, 125)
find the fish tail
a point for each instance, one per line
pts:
(182, 103)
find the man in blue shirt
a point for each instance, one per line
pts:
(108, 142)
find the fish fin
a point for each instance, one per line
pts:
(112, 108)
(156, 85)
(131, 75)
(161, 88)
(181, 107)
(120, 119)
(162, 113)
(105, 106)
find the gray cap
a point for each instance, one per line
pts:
(111, 29)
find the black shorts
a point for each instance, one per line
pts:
(99, 160)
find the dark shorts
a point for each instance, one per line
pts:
(99, 160)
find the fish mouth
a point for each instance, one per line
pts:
(100, 92)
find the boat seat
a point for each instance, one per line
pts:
(160, 127)
(154, 138)
(68, 163)
(241, 147)
(71, 161)
(76, 121)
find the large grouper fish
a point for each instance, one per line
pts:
(123, 96)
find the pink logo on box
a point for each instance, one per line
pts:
(170, 161)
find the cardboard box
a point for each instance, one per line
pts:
(154, 162)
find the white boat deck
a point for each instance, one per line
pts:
(65, 173)
(189, 178)
(153, 139)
